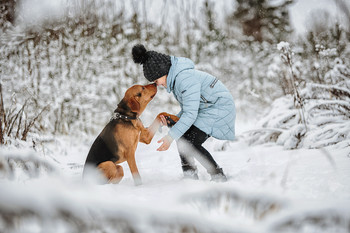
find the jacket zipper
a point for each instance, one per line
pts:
(214, 82)
(205, 101)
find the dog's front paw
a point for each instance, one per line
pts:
(170, 122)
(137, 181)
(170, 118)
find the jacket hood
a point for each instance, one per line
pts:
(178, 64)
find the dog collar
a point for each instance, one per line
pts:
(123, 117)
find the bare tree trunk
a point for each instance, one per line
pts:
(2, 116)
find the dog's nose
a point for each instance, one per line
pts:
(154, 84)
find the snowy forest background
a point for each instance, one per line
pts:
(64, 67)
(55, 71)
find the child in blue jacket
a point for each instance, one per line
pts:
(207, 108)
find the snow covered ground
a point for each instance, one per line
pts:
(269, 190)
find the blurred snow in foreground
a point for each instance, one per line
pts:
(269, 190)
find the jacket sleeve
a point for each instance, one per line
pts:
(179, 114)
(189, 89)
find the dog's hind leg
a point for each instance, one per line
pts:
(113, 172)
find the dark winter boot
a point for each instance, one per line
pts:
(218, 175)
(190, 172)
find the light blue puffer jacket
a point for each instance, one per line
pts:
(204, 100)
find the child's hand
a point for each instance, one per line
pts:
(162, 120)
(166, 142)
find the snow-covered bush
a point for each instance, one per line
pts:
(235, 203)
(326, 219)
(16, 120)
(314, 115)
(23, 165)
(60, 206)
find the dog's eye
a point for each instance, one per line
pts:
(143, 88)
(138, 94)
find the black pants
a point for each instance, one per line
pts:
(190, 148)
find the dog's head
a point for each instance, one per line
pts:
(137, 97)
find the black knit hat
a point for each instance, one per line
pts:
(155, 65)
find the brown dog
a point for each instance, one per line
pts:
(118, 140)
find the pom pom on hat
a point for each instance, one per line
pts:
(139, 54)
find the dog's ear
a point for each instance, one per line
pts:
(134, 105)
(122, 106)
